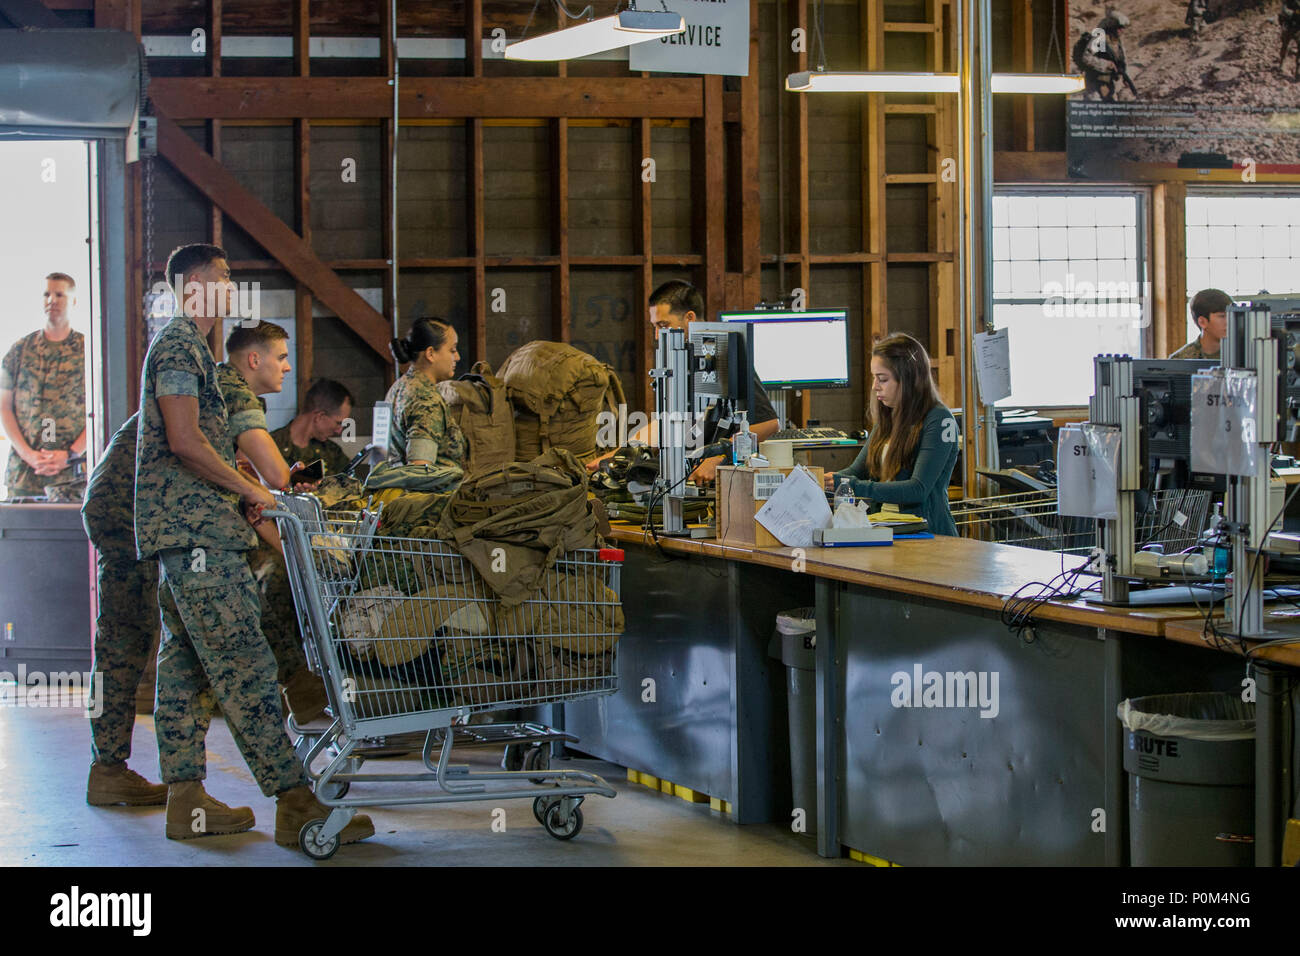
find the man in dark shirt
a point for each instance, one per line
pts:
(675, 305)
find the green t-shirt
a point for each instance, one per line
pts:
(174, 507)
(423, 428)
(48, 380)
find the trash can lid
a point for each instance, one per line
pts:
(800, 620)
(1197, 716)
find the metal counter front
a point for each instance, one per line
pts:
(906, 774)
(699, 701)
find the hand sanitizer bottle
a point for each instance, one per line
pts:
(742, 445)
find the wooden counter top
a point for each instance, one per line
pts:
(1281, 622)
(960, 570)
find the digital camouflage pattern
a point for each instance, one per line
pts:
(48, 380)
(174, 507)
(126, 624)
(1193, 350)
(125, 629)
(244, 410)
(423, 427)
(335, 458)
(108, 511)
(212, 645)
(279, 620)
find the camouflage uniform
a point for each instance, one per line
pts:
(1193, 350)
(126, 626)
(335, 458)
(423, 427)
(206, 593)
(279, 622)
(48, 380)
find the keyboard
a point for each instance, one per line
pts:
(810, 434)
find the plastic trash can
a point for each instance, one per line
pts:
(797, 631)
(1190, 760)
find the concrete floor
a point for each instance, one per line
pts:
(44, 819)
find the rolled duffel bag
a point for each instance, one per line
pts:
(558, 392)
(480, 405)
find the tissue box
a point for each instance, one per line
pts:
(736, 505)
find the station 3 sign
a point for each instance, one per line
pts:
(716, 41)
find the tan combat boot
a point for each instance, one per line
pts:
(192, 813)
(299, 806)
(305, 697)
(113, 784)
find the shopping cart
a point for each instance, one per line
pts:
(1171, 519)
(408, 638)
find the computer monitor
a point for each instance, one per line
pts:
(1164, 391)
(808, 349)
(721, 368)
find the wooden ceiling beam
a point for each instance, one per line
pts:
(364, 97)
(265, 227)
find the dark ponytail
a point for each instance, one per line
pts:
(426, 333)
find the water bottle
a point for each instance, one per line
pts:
(1217, 548)
(844, 494)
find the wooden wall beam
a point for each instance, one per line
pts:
(296, 257)
(474, 192)
(561, 305)
(708, 170)
(363, 97)
(1169, 245)
(751, 225)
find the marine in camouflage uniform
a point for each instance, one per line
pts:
(1193, 350)
(335, 458)
(126, 625)
(244, 411)
(48, 380)
(423, 427)
(209, 601)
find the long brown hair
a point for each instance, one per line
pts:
(901, 426)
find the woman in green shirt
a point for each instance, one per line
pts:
(423, 431)
(912, 438)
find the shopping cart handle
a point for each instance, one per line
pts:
(611, 554)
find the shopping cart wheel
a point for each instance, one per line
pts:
(542, 806)
(307, 841)
(513, 759)
(334, 790)
(560, 826)
(538, 758)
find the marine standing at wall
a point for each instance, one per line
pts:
(43, 395)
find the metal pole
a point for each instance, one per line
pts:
(984, 9)
(963, 245)
(392, 195)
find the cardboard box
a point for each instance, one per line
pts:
(735, 505)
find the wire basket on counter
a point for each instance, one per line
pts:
(1173, 519)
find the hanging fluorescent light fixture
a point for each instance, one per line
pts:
(597, 36)
(835, 81)
(1037, 83)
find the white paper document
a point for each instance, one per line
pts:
(796, 510)
(993, 365)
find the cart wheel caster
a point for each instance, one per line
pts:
(307, 841)
(513, 759)
(538, 758)
(560, 827)
(542, 807)
(334, 790)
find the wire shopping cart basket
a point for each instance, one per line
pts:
(409, 638)
(1172, 519)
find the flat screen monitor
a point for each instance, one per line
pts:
(808, 349)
